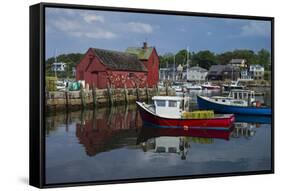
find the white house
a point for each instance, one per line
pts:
(257, 72)
(58, 66)
(196, 73)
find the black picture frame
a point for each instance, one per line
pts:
(37, 93)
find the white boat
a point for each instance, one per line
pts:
(233, 85)
(61, 86)
(178, 88)
(193, 86)
(172, 112)
(209, 86)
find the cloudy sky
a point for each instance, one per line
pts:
(73, 30)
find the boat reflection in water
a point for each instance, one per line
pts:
(177, 140)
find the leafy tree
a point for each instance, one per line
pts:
(204, 59)
(263, 58)
(71, 61)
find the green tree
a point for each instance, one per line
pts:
(263, 58)
(204, 59)
(71, 61)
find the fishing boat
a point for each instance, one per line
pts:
(233, 85)
(209, 86)
(170, 112)
(238, 102)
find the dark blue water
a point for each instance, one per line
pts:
(110, 144)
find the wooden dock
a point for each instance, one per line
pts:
(64, 100)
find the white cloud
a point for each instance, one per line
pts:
(90, 18)
(140, 27)
(256, 28)
(78, 29)
(63, 24)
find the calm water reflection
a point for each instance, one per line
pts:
(109, 144)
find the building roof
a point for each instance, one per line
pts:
(216, 69)
(119, 60)
(198, 68)
(142, 53)
(237, 61)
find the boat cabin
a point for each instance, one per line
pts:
(168, 106)
(236, 98)
(246, 95)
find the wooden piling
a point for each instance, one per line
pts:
(82, 96)
(66, 99)
(137, 93)
(94, 95)
(146, 93)
(126, 94)
(157, 90)
(109, 92)
(167, 89)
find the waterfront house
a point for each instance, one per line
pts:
(223, 72)
(257, 72)
(196, 73)
(58, 66)
(166, 73)
(137, 67)
(241, 63)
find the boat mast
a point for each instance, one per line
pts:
(187, 62)
(55, 68)
(174, 69)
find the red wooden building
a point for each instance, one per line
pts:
(135, 67)
(149, 57)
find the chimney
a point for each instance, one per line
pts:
(144, 45)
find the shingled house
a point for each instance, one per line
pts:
(223, 72)
(134, 68)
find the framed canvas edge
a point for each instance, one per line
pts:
(39, 104)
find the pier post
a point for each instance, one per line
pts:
(109, 91)
(94, 94)
(126, 94)
(82, 96)
(66, 99)
(157, 90)
(146, 93)
(137, 93)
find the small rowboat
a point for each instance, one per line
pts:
(166, 113)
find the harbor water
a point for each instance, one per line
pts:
(111, 144)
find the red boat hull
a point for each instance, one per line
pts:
(147, 133)
(162, 122)
(210, 87)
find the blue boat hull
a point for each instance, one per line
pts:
(220, 108)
